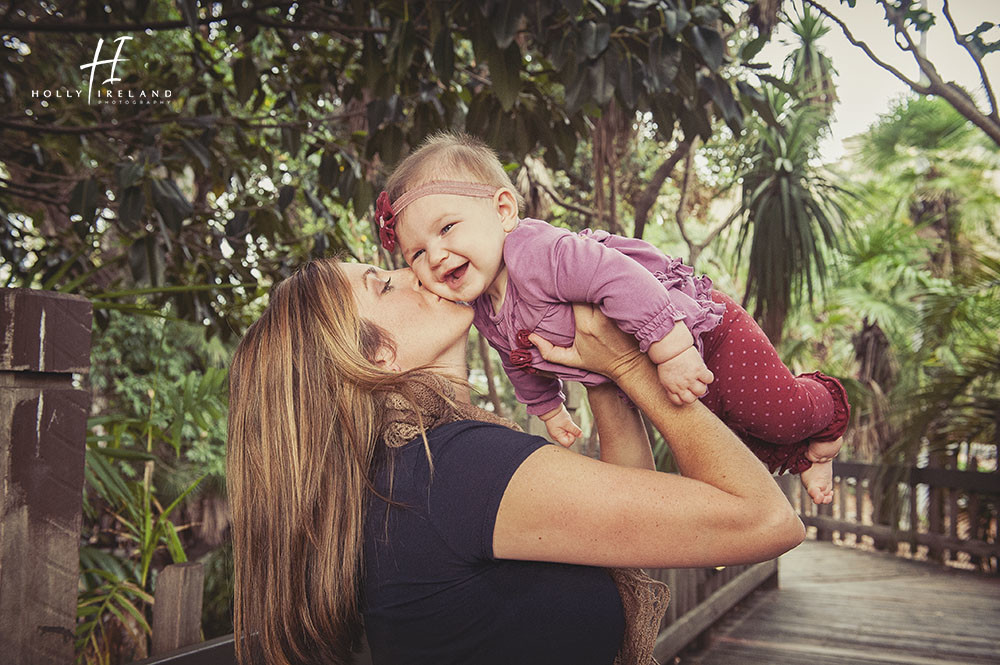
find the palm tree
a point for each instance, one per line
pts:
(792, 214)
(811, 69)
(928, 163)
(936, 160)
(791, 206)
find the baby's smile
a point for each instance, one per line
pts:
(453, 277)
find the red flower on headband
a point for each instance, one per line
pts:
(386, 219)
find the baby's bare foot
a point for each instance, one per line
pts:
(818, 481)
(823, 451)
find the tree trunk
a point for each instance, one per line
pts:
(644, 204)
(491, 388)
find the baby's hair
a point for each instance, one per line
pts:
(449, 156)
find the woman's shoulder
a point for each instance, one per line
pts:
(460, 448)
(478, 434)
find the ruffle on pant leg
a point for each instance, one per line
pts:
(841, 408)
(789, 458)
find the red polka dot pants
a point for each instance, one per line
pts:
(759, 398)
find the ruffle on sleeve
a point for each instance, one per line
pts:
(841, 408)
(690, 301)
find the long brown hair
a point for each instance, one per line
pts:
(303, 428)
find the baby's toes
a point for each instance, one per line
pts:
(817, 494)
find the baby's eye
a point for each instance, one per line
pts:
(447, 227)
(415, 255)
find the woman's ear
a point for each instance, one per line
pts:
(386, 360)
(506, 204)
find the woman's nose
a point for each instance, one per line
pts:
(408, 278)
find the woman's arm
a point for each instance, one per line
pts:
(726, 509)
(619, 428)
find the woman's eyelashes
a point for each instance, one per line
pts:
(387, 287)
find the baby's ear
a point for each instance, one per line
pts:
(506, 204)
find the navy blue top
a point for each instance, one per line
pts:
(435, 594)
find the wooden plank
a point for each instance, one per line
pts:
(883, 532)
(177, 607)
(44, 331)
(953, 515)
(822, 532)
(975, 532)
(44, 339)
(974, 481)
(841, 606)
(222, 651)
(859, 515)
(671, 580)
(218, 651)
(678, 635)
(839, 491)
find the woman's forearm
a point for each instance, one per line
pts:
(703, 447)
(622, 435)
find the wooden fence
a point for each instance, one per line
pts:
(44, 352)
(699, 596)
(44, 349)
(942, 514)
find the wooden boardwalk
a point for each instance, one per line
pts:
(840, 606)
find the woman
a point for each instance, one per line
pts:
(474, 543)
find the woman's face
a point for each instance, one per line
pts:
(427, 329)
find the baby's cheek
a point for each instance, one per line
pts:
(438, 288)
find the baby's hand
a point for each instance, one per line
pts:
(685, 376)
(560, 426)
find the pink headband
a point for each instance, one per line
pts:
(386, 211)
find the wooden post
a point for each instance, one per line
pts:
(934, 511)
(824, 510)
(44, 341)
(177, 607)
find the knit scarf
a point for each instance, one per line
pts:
(431, 404)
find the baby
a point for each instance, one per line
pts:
(452, 210)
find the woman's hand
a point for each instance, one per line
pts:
(600, 346)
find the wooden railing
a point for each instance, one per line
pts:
(44, 345)
(942, 514)
(699, 596)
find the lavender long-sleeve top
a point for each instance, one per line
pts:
(645, 291)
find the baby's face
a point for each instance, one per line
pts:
(453, 243)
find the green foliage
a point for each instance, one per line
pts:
(283, 117)
(115, 595)
(922, 266)
(159, 432)
(793, 214)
